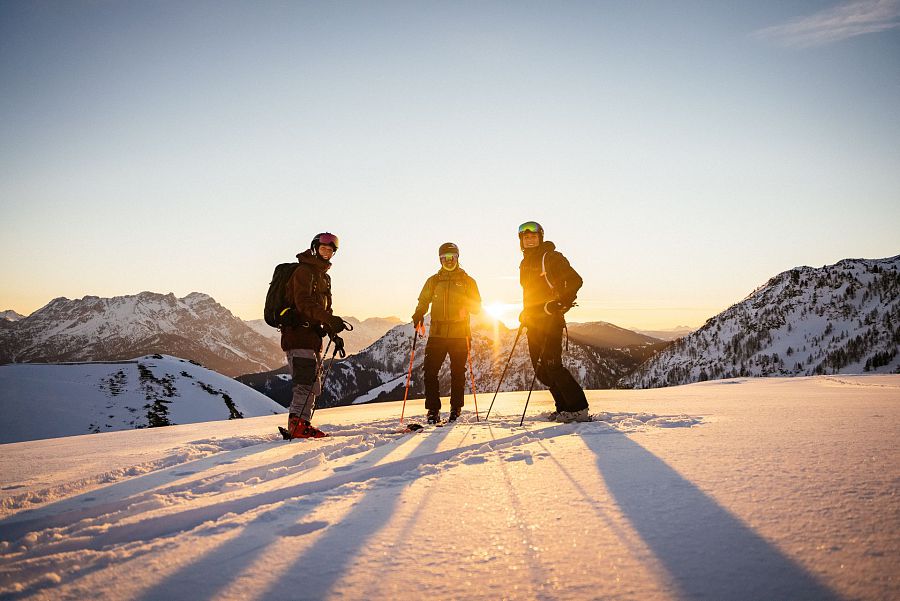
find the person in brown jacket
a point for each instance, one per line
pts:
(453, 296)
(310, 290)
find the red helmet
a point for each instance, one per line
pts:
(326, 238)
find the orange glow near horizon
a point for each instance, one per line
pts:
(508, 313)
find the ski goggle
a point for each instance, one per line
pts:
(449, 257)
(532, 227)
(329, 240)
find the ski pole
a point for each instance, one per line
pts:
(533, 377)
(412, 356)
(325, 376)
(503, 375)
(472, 376)
(311, 388)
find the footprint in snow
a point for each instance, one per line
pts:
(526, 457)
(304, 528)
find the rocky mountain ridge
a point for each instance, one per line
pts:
(195, 327)
(379, 372)
(841, 318)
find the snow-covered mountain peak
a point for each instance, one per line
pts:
(841, 318)
(95, 328)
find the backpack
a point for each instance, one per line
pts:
(279, 310)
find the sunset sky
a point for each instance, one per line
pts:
(678, 153)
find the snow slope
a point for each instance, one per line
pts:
(842, 318)
(51, 400)
(738, 489)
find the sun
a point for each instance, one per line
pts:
(496, 310)
(506, 313)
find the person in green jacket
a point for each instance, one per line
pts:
(453, 296)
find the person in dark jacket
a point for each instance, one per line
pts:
(549, 288)
(453, 296)
(310, 290)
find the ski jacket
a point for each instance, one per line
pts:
(453, 296)
(310, 290)
(545, 275)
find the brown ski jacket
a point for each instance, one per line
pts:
(310, 290)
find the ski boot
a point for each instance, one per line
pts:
(454, 414)
(567, 417)
(300, 428)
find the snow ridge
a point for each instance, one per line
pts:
(842, 318)
(45, 401)
(96, 329)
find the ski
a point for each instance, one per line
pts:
(414, 427)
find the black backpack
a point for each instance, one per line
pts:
(279, 310)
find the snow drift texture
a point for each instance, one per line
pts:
(770, 489)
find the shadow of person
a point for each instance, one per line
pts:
(708, 553)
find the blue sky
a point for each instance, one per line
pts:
(678, 153)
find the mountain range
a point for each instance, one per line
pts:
(363, 334)
(842, 318)
(195, 327)
(600, 356)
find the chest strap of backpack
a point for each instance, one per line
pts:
(544, 271)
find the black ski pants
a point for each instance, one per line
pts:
(436, 351)
(545, 348)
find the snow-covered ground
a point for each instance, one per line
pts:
(769, 489)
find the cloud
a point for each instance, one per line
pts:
(846, 20)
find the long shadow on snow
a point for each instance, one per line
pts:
(315, 572)
(209, 575)
(117, 496)
(708, 552)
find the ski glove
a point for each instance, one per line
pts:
(418, 320)
(338, 346)
(335, 325)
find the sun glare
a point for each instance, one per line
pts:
(504, 312)
(495, 310)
